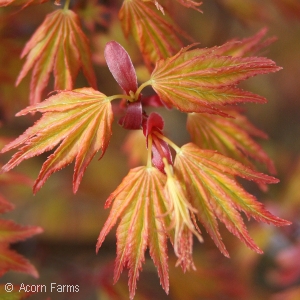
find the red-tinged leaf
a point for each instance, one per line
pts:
(79, 121)
(5, 206)
(213, 191)
(153, 101)
(154, 122)
(182, 220)
(155, 33)
(12, 261)
(160, 150)
(193, 79)
(17, 294)
(24, 3)
(133, 117)
(58, 45)
(11, 232)
(140, 204)
(121, 67)
(230, 136)
(14, 178)
(247, 46)
(190, 4)
(151, 126)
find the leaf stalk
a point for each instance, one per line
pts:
(67, 4)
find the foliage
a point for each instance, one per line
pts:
(10, 233)
(174, 191)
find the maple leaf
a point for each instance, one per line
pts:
(156, 35)
(182, 218)
(140, 204)
(5, 206)
(230, 136)
(245, 47)
(11, 232)
(190, 4)
(195, 79)
(58, 45)
(79, 120)
(25, 3)
(12, 261)
(215, 194)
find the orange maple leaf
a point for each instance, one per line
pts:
(215, 194)
(230, 136)
(156, 35)
(58, 45)
(140, 204)
(79, 120)
(193, 80)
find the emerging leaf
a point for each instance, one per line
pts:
(155, 34)
(21, 2)
(182, 219)
(229, 136)
(195, 79)
(121, 67)
(79, 120)
(152, 126)
(213, 191)
(140, 204)
(59, 45)
(133, 117)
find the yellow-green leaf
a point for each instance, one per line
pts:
(155, 33)
(230, 136)
(79, 121)
(59, 46)
(195, 79)
(140, 204)
(215, 194)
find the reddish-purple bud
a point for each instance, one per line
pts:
(121, 67)
(160, 149)
(133, 117)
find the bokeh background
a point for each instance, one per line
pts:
(65, 252)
